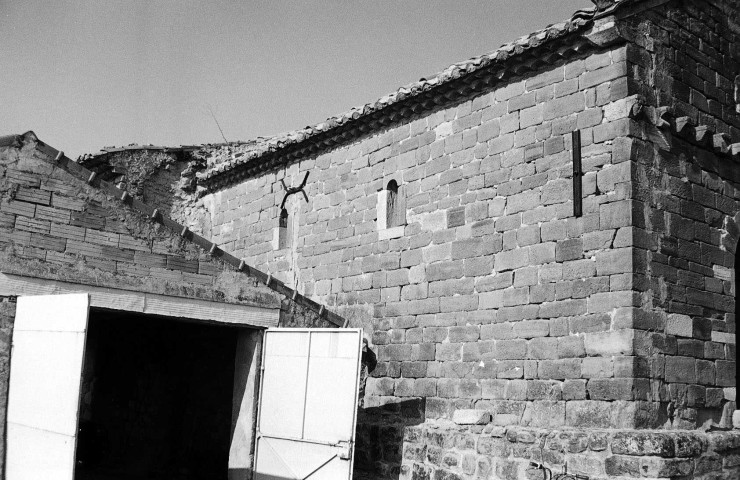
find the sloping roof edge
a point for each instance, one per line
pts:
(85, 175)
(455, 82)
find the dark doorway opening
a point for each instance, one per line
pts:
(155, 399)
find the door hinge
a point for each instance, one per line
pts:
(345, 452)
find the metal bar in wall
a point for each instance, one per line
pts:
(577, 174)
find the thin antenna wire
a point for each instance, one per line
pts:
(217, 124)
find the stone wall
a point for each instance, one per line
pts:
(452, 453)
(54, 226)
(570, 332)
(685, 211)
(493, 295)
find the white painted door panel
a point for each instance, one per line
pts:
(330, 419)
(45, 370)
(287, 358)
(308, 404)
(39, 454)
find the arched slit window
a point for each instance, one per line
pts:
(392, 204)
(391, 209)
(395, 208)
(283, 234)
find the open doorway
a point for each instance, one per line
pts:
(156, 398)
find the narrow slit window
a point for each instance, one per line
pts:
(283, 238)
(395, 214)
(392, 200)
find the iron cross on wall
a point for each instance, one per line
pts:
(290, 191)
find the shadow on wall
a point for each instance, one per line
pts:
(380, 434)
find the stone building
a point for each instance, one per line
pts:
(540, 244)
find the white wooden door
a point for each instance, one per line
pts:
(308, 404)
(45, 369)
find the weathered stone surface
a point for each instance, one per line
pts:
(471, 417)
(643, 443)
(492, 295)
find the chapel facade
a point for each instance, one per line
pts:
(540, 244)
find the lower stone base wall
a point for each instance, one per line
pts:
(445, 451)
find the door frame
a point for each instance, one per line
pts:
(256, 316)
(257, 433)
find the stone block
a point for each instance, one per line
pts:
(574, 389)
(588, 414)
(564, 106)
(543, 414)
(511, 260)
(549, 77)
(467, 333)
(531, 116)
(563, 308)
(610, 262)
(544, 390)
(471, 417)
(679, 325)
(602, 75)
(680, 369)
(705, 372)
(639, 443)
(504, 143)
(571, 347)
(597, 367)
(515, 296)
(413, 369)
(445, 270)
(615, 214)
(606, 344)
(491, 300)
(725, 371)
(607, 301)
(560, 369)
(622, 466)
(532, 328)
(571, 249)
(723, 337)
(542, 348)
(510, 349)
(448, 352)
(610, 389)
(455, 217)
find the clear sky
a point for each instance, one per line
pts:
(88, 74)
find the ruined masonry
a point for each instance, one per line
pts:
(521, 308)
